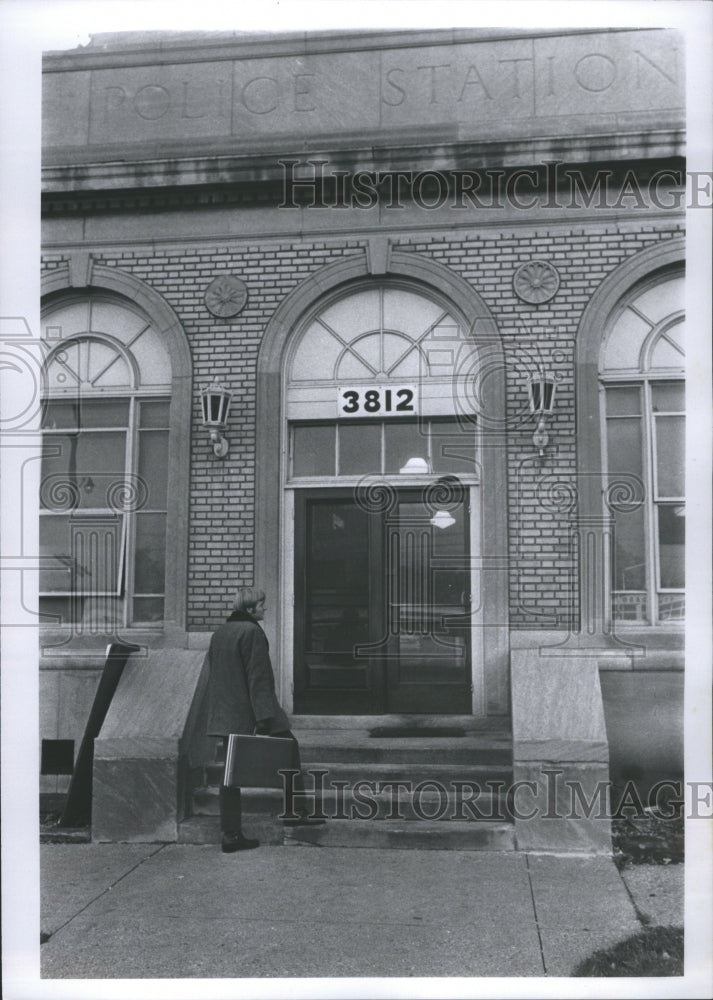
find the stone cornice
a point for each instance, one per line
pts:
(123, 49)
(265, 168)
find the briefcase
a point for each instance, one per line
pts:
(254, 761)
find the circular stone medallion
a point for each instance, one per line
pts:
(226, 295)
(536, 282)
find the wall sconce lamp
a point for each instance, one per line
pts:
(215, 402)
(541, 389)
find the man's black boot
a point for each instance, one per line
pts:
(233, 842)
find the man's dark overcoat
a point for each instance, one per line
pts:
(241, 682)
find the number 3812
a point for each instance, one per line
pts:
(363, 401)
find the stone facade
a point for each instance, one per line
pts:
(168, 165)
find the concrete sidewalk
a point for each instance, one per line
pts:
(137, 911)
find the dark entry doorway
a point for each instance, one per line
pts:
(382, 602)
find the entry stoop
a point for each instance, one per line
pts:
(395, 781)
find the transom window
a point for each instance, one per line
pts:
(641, 368)
(104, 482)
(435, 445)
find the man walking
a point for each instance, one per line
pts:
(242, 699)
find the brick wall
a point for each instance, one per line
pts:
(222, 508)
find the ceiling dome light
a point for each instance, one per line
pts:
(415, 467)
(442, 519)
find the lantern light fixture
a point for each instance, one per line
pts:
(541, 391)
(215, 404)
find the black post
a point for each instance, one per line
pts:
(78, 809)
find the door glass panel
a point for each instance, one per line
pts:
(337, 597)
(431, 593)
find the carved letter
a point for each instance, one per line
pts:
(185, 113)
(302, 91)
(120, 98)
(641, 55)
(474, 79)
(392, 83)
(550, 77)
(152, 102)
(516, 72)
(252, 101)
(602, 73)
(433, 80)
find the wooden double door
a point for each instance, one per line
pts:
(381, 603)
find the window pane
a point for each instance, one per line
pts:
(104, 412)
(624, 449)
(313, 450)
(623, 401)
(153, 466)
(81, 413)
(670, 456)
(148, 609)
(672, 537)
(452, 447)
(668, 396)
(630, 607)
(629, 551)
(154, 414)
(403, 441)
(672, 606)
(90, 462)
(80, 553)
(150, 554)
(359, 448)
(60, 415)
(55, 611)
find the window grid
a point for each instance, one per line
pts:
(431, 425)
(126, 565)
(652, 501)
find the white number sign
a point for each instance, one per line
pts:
(377, 400)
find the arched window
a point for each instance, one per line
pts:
(376, 379)
(641, 368)
(104, 498)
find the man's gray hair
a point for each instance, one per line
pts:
(247, 597)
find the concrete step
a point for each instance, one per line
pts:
(414, 771)
(449, 804)
(405, 835)
(206, 830)
(390, 834)
(470, 723)
(355, 745)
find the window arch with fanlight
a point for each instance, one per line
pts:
(642, 366)
(104, 497)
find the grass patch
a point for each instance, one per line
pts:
(649, 839)
(656, 951)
